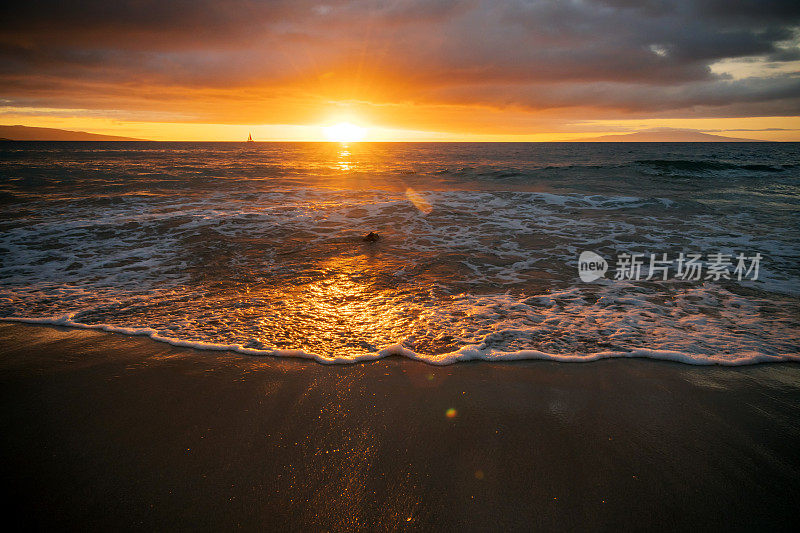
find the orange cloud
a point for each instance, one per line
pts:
(475, 68)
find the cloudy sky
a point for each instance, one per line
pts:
(407, 69)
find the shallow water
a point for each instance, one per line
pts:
(259, 247)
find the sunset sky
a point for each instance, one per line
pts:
(404, 70)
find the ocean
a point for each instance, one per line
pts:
(259, 247)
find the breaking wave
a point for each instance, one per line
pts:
(260, 250)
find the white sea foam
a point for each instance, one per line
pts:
(262, 252)
(697, 325)
(465, 353)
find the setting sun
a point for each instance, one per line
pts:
(345, 132)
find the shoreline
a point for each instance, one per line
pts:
(462, 355)
(108, 431)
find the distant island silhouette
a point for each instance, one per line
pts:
(28, 133)
(666, 136)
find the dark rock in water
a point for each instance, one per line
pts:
(371, 237)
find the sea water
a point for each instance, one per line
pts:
(259, 247)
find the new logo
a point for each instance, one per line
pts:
(591, 266)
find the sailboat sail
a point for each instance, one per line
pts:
(249, 137)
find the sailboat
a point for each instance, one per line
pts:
(250, 138)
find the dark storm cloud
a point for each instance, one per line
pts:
(637, 56)
(140, 23)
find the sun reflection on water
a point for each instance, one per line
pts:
(345, 159)
(347, 302)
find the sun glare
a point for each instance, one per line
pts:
(345, 132)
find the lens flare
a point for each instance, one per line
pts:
(419, 202)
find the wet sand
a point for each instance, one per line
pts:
(103, 431)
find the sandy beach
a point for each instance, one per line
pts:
(400, 266)
(104, 431)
